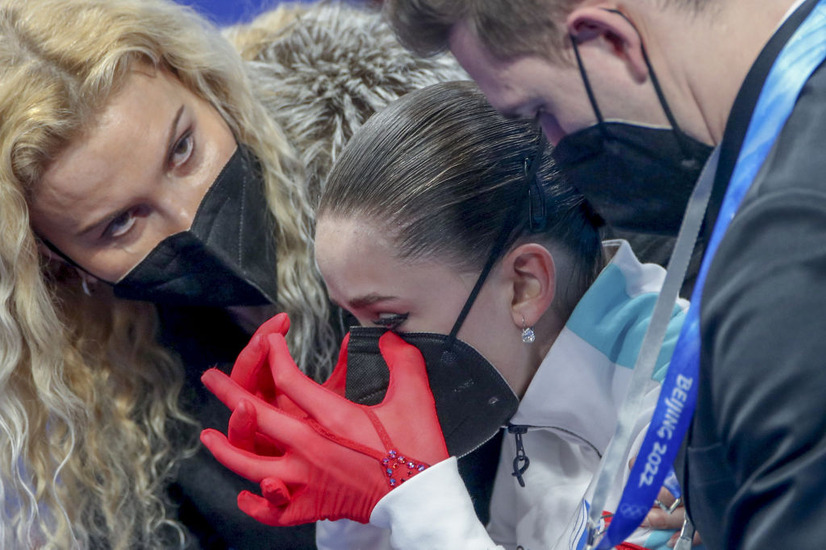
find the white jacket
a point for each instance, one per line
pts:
(570, 410)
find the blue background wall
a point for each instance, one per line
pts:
(225, 12)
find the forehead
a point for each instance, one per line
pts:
(128, 131)
(359, 258)
(474, 57)
(354, 250)
(506, 82)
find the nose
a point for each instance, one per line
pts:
(178, 205)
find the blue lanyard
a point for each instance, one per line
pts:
(801, 55)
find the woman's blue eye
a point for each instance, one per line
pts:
(391, 321)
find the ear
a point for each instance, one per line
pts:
(47, 252)
(612, 31)
(89, 280)
(52, 255)
(531, 271)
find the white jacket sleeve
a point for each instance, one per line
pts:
(432, 510)
(345, 534)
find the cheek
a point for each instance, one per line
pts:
(113, 265)
(488, 325)
(498, 340)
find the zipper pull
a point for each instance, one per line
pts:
(521, 461)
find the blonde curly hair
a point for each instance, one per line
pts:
(89, 410)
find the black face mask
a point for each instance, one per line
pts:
(473, 400)
(637, 178)
(226, 258)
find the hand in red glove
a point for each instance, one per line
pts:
(340, 458)
(251, 371)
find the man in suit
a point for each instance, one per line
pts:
(632, 93)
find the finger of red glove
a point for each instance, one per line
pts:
(274, 490)
(409, 387)
(242, 427)
(243, 432)
(244, 463)
(265, 511)
(257, 468)
(408, 408)
(277, 324)
(282, 428)
(313, 399)
(337, 382)
(250, 370)
(229, 391)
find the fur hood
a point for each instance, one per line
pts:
(323, 69)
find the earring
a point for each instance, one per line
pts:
(528, 335)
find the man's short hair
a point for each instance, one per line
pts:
(506, 28)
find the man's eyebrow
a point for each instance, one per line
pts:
(511, 114)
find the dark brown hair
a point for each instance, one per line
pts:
(507, 28)
(442, 171)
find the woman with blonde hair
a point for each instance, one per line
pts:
(135, 162)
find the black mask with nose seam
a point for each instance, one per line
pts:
(227, 256)
(473, 400)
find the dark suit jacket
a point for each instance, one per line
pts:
(755, 464)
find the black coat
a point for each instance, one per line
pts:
(205, 491)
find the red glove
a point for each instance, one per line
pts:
(340, 458)
(251, 371)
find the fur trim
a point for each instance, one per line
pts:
(327, 70)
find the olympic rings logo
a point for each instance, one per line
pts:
(633, 511)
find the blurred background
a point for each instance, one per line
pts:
(227, 12)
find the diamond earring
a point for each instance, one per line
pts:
(528, 335)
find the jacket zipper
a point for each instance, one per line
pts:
(521, 460)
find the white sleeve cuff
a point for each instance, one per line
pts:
(432, 510)
(345, 534)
